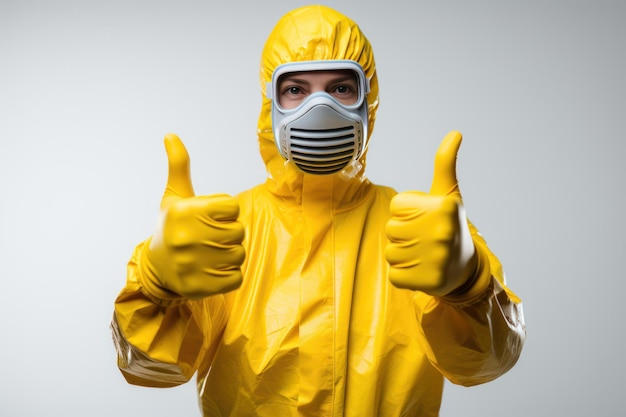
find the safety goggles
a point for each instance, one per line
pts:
(286, 70)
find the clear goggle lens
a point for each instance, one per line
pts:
(343, 80)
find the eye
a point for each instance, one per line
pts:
(291, 94)
(293, 90)
(346, 93)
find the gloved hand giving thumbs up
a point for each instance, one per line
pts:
(430, 247)
(196, 250)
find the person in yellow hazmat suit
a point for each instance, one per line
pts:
(317, 292)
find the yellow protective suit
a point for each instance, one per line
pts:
(316, 329)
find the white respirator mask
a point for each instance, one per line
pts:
(321, 135)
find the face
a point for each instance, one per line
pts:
(295, 87)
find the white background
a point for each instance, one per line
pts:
(89, 88)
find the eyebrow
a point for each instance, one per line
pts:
(292, 79)
(345, 77)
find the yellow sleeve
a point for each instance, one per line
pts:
(162, 344)
(475, 338)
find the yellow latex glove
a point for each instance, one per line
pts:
(196, 250)
(430, 247)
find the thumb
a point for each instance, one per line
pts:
(444, 177)
(178, 178)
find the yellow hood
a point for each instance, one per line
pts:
(310, 33)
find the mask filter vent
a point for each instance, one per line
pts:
(322, 151)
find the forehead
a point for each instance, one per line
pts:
(319, 76)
